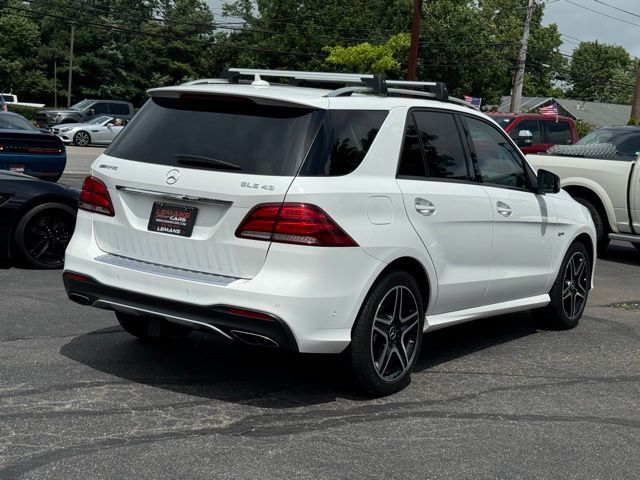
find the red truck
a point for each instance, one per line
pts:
(547, 130)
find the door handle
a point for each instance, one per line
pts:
(424, 207)
(504, 209)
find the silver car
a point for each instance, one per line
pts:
(99, 130)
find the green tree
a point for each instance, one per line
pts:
(365, 57)
(601, 72)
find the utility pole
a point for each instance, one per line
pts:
(55, 82)
(415, 38)
(518, 78)
(635, 105)
(73, 31)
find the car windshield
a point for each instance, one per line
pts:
(100, 120)
(15, 122)
(81, 105)
(502, 121)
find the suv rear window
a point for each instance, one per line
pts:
(258, 139)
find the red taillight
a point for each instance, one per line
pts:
(299, 223)
(249, 313)
(95, 198)
(76, 276)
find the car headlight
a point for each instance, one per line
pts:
(65, 129)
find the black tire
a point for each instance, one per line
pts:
(398, 347)
(81, 139)
(637, 245)
(602, 229)
(570, 291)
(42, 234)
(150, 329)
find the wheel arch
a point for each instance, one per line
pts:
(415, 268)
(599, 199)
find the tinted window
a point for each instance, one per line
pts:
(441, 145)
(497, 160)
(411, 161)
(15, 122)
(100, 108)
(532, 125)
(342, 142)
(558, 133)
(629, 146)
(119, 109)
(259, 139)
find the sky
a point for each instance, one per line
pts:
(579, 24)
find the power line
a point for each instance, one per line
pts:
(617, 8)
(603, 14)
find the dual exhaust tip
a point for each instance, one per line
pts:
(250, 338)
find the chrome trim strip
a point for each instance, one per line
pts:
(271, 342)
(165, 271)
(166, 316)
(173, 196)
(625, 238)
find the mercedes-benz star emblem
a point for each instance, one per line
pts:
(172, 176)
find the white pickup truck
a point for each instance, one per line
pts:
(12, 99)
(609, 186)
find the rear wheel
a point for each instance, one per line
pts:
(570, 290)
(43, 233)
(82, 139)
(150, 329)
(602, 232)
(387, 335)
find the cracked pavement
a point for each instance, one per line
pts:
(497, 398)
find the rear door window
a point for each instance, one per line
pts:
(558, 133)
(119, 109)
(441, 145)
(411, 160)
(253, 138)
(100, 108)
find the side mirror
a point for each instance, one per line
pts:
(91, 112)
(548, 182)
(525, 138)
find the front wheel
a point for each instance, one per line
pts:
(82, 139)
(387, 335)
(570, 290)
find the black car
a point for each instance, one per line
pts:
(37, 219)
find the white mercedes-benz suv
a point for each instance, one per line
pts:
(324, 221)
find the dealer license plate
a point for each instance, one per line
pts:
(172, 219)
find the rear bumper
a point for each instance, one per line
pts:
(45, 167)
(218, 319)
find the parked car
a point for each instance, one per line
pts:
(546, 131)
(602, 172)
(323, 221)
(24, 148)
(99, 131)
(36, 219)
(83, 111)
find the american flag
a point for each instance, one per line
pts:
(475, 101)
(3, 104)
(549, 109)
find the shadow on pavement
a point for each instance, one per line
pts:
(620, 252)
(204, 366)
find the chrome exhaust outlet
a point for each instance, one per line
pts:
(80, 299)
(254, 339)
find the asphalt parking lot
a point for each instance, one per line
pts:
(497, 398)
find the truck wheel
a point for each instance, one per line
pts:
(387, 335)
(569, 292)
(602, 232)
(82, 139)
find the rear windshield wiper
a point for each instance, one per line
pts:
(207, 162)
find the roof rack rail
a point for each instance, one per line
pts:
(376, 83)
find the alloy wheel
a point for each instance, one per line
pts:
(81, 139)
(394, 334)
(575, 285)
(47, 235)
